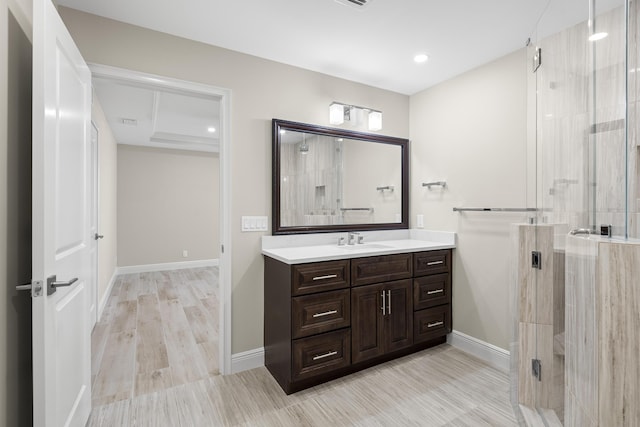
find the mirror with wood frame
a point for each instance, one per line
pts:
(327, 179)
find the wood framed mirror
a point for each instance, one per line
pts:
(329, 180)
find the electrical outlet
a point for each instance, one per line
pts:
(185, 253)
(420, 221)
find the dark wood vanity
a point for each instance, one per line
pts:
(327, 319)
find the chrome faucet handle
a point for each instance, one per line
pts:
(341, 241)
(360, 239)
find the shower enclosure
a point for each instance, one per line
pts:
(576, 306)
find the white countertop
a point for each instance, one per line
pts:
(312, 248)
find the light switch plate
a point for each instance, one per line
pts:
(255, 223)
(420, 221)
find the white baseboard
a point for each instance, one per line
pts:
(168, 266)
(105, 296)
(247, 360)
(495, 356)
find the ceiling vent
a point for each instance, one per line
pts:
(355, 3)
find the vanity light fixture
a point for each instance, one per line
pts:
(375, 120)
(336, 113)
(339, 113)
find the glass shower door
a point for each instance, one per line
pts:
(577, 136)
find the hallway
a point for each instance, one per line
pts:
(159, 330)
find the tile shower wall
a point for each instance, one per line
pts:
(310, 187)
(602, 340)
(539, 306)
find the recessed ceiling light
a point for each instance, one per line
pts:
(597, 36)
(421, 58)
(211, 129)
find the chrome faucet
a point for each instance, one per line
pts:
(352, 238)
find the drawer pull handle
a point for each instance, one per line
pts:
(434, 324)
(437, 291)
(326, 313)
(435, 263)
(322, 356)
(328, 276)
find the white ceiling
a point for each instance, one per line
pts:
(162, 118)
(374, 45)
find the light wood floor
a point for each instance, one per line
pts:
(159, 330)
(136, 385)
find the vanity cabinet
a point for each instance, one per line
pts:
(382, 319)
(323, 320)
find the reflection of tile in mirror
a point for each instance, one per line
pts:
(320, 197)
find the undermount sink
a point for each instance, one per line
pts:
(365, 246)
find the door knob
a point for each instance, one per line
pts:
(98, 236)
(53, 284)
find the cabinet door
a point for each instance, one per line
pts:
(367, 338)
(399, 315)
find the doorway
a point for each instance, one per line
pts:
(165, 140)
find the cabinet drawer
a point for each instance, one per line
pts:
(320, 276)
(430, 291)
(378, 269)
(321, 354)
(432, 262)
(431, 323)
(313, 314)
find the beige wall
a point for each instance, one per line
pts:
(107, 213)
(262, 90)
(15, 213)
(167, 203)
(471, 132)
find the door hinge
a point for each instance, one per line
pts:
(537, 59)
(536, 369)
(536, 260)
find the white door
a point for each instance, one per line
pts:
(93, 229)
(61, 239)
